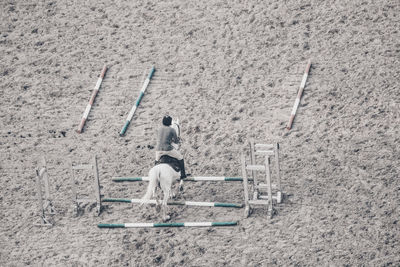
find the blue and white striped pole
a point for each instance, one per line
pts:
(133, 110)
(192, 179)
(173, 224)
(176, 203)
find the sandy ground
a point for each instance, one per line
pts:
(230, 70)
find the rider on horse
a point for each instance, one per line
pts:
(167, 136)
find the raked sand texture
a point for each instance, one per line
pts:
(230, 70)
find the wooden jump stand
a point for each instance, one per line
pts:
(44, 204)
(264, 150)
(96, 183)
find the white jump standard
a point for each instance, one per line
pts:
(174, 224)
(265, 150)
(91, 100)
(97, 197)
(133, 110)
(46, 203)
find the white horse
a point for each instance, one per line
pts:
(164, 176)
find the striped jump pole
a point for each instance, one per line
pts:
(173, 224)
(91, 100)
(133, 110)
(190, 179)
(175, 203)
(299, 94)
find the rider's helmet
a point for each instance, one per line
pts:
(167, 120)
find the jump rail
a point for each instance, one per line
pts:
(133, 110)
(300, 92)
(191, 179)
(176, 203)
(91, 100)
(173, 224)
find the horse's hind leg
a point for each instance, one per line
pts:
(164, 206)
(173, 193)
(180, 188)
(176, 189)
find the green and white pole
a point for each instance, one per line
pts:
(193, 179)
(133, 110)
(175, 203)
(184, 224)
(130, 179)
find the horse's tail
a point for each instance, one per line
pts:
(151, 188)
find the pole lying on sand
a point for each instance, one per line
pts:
(299, 94)
(177, 203)
(191, 179)
(91, 100)
(133, 110)
(173, 224)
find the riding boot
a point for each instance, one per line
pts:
(182, 167)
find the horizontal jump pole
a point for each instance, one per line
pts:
(175, 203)
(192, 179)
(173, 224)
(141, 94)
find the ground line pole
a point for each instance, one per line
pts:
(299, 94)
(141, 94)
(91, 100)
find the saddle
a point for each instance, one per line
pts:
(173, 162)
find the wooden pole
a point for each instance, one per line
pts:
(277, 166)
(39, 195)
(299, 94)
(268, 178)
(245, 187)
(91, 100)
(97, 184)
(253, 173)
